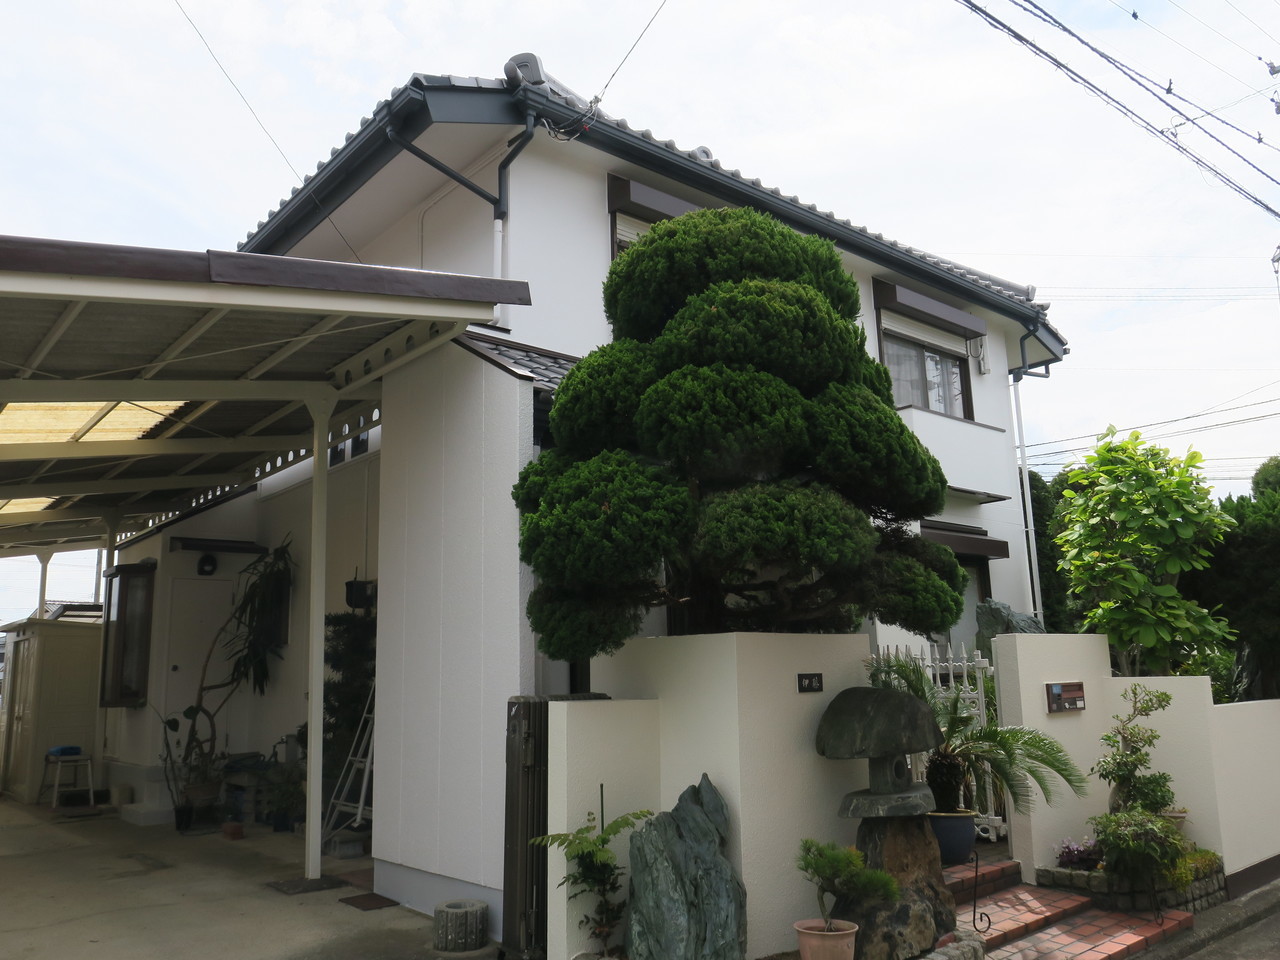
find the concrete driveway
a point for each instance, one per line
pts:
(101, 889)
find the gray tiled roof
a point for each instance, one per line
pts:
(545, 366)
(1022, 295)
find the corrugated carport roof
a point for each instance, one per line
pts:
(135, 382)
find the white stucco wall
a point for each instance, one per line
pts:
(1246, 779)
(1211, 751)
(559, 240)
(614, 743)
(453, 642)
(189, 609)
(729, 707)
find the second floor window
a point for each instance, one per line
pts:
(926, 377)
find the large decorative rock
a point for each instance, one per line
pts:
(686, 902)
(882, 726)
(904, 847)
(995, 618)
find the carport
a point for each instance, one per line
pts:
(137, 384)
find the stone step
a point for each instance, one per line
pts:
(991, 877)
(1023, 909)
(1093, 935)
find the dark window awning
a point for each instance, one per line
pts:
(965, 540)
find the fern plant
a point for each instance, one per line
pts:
(594, 870)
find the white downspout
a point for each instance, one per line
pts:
(320, 411)
(500, 267)
(1028, 525)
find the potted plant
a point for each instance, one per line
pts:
(978, 758)
(285, 795)
(253, 634)
(1126, 766)
(841, 873)
(1139, 842)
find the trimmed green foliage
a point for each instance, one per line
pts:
(716, 423)
(650, 281)
(842, 873)
(597, 523)
(1131, 521)
(740, 464)
(595, 404)
(871, 456)
(786, 329)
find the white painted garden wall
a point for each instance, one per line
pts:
(1213, 752)
(726, 705)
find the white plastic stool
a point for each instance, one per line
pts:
(74, 762)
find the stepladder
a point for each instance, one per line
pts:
(351, 805)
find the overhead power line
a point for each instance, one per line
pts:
(1114, 102)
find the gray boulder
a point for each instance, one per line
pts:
(995, 618)
(686, 903)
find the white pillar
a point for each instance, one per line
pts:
(43, 556)
(320, 411)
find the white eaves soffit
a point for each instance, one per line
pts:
(137, 383)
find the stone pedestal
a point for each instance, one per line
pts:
(905, 848)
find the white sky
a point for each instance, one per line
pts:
(912, 117)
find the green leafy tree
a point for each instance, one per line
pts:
(1266, 477)
(1243, 582)
(1053, 582)
(1132, 520)
(734, 454)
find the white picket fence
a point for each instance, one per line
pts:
(966, 675)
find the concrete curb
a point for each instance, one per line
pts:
(1218, 922)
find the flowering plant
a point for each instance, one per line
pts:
(1085, 855)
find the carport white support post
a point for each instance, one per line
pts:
(320, 411)
(43, 556)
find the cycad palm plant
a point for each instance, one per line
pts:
(977, 757)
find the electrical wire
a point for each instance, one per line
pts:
(263, 127)
(1268, 35)
(1116, 104)
(1155, 423)
(1210, 26)
(576, 126)
(1150, 86)
(600, 96)
(1133, 14)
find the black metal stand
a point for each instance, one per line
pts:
(981, 921)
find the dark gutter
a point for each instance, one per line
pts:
(410, 110)
(421, 103)
(658, 157)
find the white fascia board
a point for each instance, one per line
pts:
(19, 518)
(88, 449)
(81, 488)
(105, 391)
(242, 296)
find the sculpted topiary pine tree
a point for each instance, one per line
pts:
(733, 455)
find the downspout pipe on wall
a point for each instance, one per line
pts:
(501, 203)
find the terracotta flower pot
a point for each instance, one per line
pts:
(819, 943)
